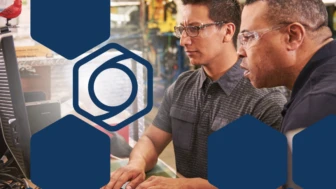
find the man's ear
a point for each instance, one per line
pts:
(295, 36)
(228, 31)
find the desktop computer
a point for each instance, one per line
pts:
(14, 122)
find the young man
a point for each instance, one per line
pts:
(288, 42)
(200, 102)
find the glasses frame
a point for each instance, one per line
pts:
(255, 36)
(178, 30)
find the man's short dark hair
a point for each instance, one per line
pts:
(221, 10)
(310, 13)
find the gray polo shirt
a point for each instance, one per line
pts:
(194, 106)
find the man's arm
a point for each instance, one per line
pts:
(145, 154)
(147, 150)
(143, 158)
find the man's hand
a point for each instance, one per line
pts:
(131, 173)
(156, 182)
(143, 158)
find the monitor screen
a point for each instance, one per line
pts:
(14, 120)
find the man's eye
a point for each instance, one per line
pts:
(247, 36)
(193, 28)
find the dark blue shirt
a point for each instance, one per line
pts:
(314, 92)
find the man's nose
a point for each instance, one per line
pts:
(241, 51)
(185, 39)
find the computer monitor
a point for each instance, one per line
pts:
(12, 105)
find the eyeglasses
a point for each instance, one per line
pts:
(248, 39)
(192, 31)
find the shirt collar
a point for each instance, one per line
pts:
(228, 81)
(327, 51)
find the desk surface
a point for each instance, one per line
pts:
(160, 169)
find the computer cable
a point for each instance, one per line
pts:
(5, 184)
(17, 185)
(4, 159)
(8, 163)
(13, 182)
(18, 181)
(9, 169)
(11, 177)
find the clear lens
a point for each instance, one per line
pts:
(178, 31)
(192, 31)
(246, 39)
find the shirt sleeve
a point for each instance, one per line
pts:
(311, 109)
(269, 108)
(162, 119)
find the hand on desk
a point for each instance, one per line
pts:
(131, 173)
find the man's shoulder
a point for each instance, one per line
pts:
(187, 75)
(323, 79)
(187, 79)
(280, 93)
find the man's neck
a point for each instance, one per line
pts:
(220, 65)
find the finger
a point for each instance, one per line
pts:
(136, 181)
(126, 176)
(152, 178)
(109, 185)
(142, 185)
(114, 178)
(148, 183)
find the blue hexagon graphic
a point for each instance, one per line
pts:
(314, 155)
(247, 154)
(113, 110)
(70, 28)
(70, 154)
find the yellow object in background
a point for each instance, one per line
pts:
(162, 15)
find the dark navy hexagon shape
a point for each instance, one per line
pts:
(247, 154)
(113, 110)
(70, 154)
(70, 28)
(314, 155)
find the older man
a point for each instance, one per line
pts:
(288, 42)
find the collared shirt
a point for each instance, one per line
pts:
(314, 92)
(194, 107)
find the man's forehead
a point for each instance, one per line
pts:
(194, 14)
(187, 23)
(254, 16)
